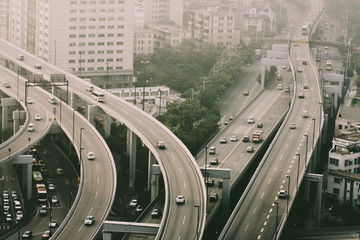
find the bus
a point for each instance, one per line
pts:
(37, 176)
(328, 65)
(304, 30)
(98, 96)
(41, 192)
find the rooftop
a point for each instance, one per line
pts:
(349, 113)
(345, 174)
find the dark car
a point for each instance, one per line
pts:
(260, 125)
(156, 213)
(214, 197)
(46, 235)
(161, 145)
(209, 182)
(245, 139)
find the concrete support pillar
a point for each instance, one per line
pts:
(53, 90)
(263, 68)
(132, 165)
(17, 116)
(307, 191)
(91, 109)
(318, 204)
(4, 117)
(151, 161)
(155, 181)
(106, 236)
(107, 125)
(71, 99)
(27, 179)
(225, 202)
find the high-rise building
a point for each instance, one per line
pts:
(157, 10)
(4, 15)
(92, 38)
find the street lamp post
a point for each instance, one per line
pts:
(197, 223)
(288, 195)
(107, 75)
(276, 221)
(206, 179)
(297, 179)
(9, 152)
(313, 132)
(80, 64)
(144, 94)
(306, 147)
(181, 122)
(144, 62)
(160, 104)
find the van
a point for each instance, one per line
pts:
(52, 99)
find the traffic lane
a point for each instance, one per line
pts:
(172, 168)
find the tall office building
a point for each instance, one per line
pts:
(92, 38)
(4, 15)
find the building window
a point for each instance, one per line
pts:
(90, 69)
(119, 59)
(334, 161)
(91, 44)
(340, 126)
(101, 27)
(119, 43)
(82, 27)
(110, 51)
(91, 52)
(100, 60)
(110, 35)
(109, 59)
(72, 27)
(82, 44)
(91, 35)
(82, 36)
(101, 35)
(72, 53)
(119, 51)
(72, 44)
(91, 60)
(100, 68)
(101, 43)
(336, 191)
(110, 43)
(337, 180)
(72, 61)
(72, 36)
(119, 68)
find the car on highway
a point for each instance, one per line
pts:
(37, 117)
(251, 120)
(51, 187)
(282, 194)
(300, 69)
(49, 180)
(249, 149)
(46, 235)
(161, 145)
(133, 203)
(231, 117)
(292, 125)
(233, 138)
(20, 57)
(89, 88)
(7, 85)
(91, 156)
(89, 220)
(226, 123)
(37, 66)
(287, 89)
(5, 194)
(305, 114)
(29, 100)
(301, 95)
(214, 161)
(19, 215)
(246, 93)
(245, 139)
(180, 199)
(14, 195)
(289, 69)
(30, 127)
(8, 217)
(220, 183)
(213, 197)
(306, 86)
(27, 234)
(304, 62)
(59, 171)
(260, 125)
(223, 140)
(212, 150)
(53, 223)
(138, 208)
(209, 182)
(279, 86)
(54, 199)
(17, 204)
(156, 213)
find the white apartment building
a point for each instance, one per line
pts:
(17, 22)
(156, 10)
(343, 178)
(172, 35)
(143, 41)
(93, 38)
(348, 119)
(213, 26)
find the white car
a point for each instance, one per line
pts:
(292, 125)
(19, 215)
(300, 69)
(180, 199)
(54, 199)
(133, 203)
(29, 100)
(91, 156)
(223, 140)
(282, 194)
(37, 117)
(53, 223)
(51, 187)
(89, 220)
(279, 86)
(233, 138)
(251, 120)
(30, 127)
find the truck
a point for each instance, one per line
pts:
(257, 136)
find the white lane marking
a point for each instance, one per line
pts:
(91, 210)
(270, 211)
(97, 166)
(290, 166)
(80, 228)
(180, 170)
(259, 237)
(265, 223)
(283, 181)
(247, 225)
(262, 195)
(281, 186)
(286, 146)
(269, 181)
(291, 136)
(254, 210)
(288, 171)
(262, 230)
(184, 219)
(98, 180)
(281, 156)
(179, 237)
(268, 216)
(275, 169)
(292, 161)
(184, 184)
(96, 195)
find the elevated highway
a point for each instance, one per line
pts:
(181, 175)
